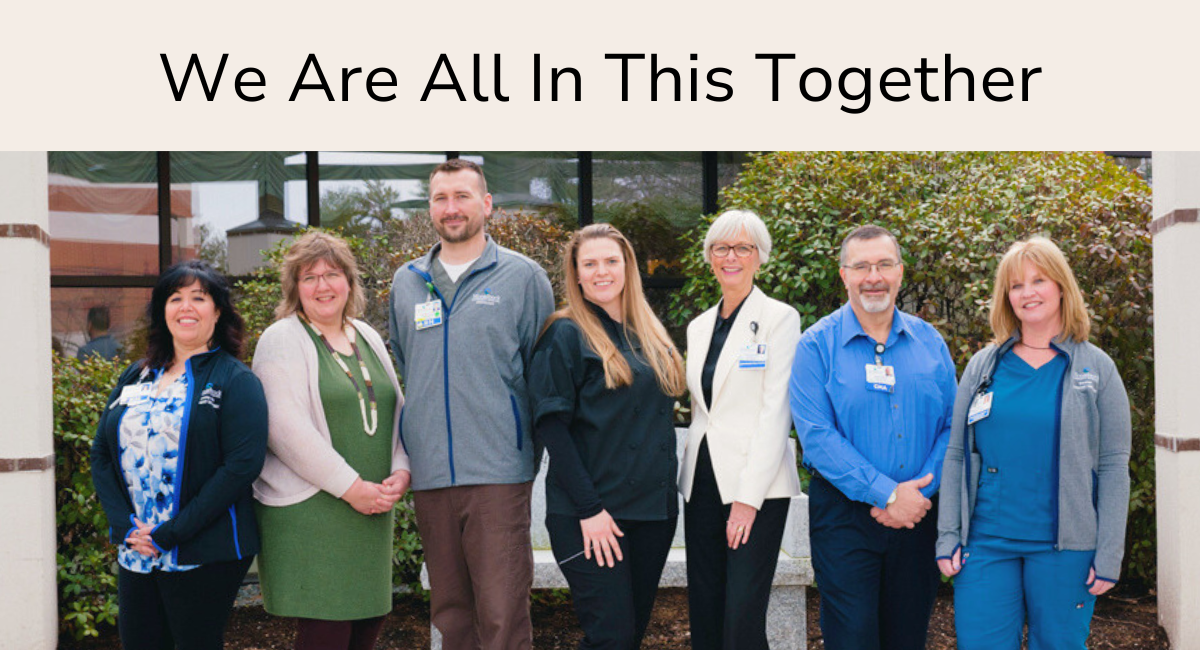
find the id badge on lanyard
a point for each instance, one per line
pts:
(880, 378)
(981, 407)
(428, 314)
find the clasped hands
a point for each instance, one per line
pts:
(375, 498)
(910, 505)
(139, 539)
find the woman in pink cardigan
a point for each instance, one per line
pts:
(335, 465)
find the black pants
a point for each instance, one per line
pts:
(187, 610)
(728, 590)
(613, 603)
(877, 584)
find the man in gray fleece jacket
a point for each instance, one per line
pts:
(464, 320)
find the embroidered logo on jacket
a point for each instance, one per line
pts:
(486, 297)
(1085, 380)
(210, 397)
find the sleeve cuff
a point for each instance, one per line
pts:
(881, 490)
(588, 513)
(166, 534)
(950, 555)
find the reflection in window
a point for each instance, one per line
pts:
(103, 213)
(95, 320)
(227, 207)
(653, 198)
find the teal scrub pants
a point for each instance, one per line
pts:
(1005, 582)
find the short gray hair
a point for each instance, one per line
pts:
(730, 223)
(867, 232)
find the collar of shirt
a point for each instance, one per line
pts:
(726, 323)
(616, 331)
(850, 328)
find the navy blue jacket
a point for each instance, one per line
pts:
(222, 444)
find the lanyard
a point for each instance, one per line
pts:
(879, 348)
(362, 404)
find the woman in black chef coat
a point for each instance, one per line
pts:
(604, 378)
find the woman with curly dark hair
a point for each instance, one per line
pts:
(177, 449)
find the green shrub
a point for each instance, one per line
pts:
(955, 214)
(87, 582)
(383, 250)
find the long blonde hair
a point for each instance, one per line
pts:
(1049, 259)
(657, 348)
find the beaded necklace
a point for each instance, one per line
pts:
(362, 403)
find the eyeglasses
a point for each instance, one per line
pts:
(864, 268)
(741, 250)
(329, 277)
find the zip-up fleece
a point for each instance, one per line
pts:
(222, 444)
(1093, 457)
(466, 419)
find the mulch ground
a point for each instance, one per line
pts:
(1126, 619)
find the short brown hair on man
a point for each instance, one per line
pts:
(869, 231)
(308, 249)
(455, 165)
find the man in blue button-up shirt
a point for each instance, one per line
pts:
(872, 392)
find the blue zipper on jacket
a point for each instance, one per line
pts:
(445, 365)
(237, 546)
(446, 352)
(183, 434)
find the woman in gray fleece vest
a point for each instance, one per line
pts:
(1035, 486)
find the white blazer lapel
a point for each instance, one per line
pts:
(739, 336)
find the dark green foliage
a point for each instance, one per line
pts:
(955, 214)
(87, 581)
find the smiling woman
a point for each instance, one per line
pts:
(182, 439)
(603, 380)
(336, 466)
(738, 471)
(1039, 455)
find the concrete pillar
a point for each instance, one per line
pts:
(28, 597)
(1176, 235)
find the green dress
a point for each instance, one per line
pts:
(321, 558)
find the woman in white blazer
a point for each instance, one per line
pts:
(739, 472)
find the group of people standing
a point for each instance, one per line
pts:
(202, 463)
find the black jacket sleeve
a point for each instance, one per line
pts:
(555, 375)
(106, 470)
(244, 447)
(569, 471)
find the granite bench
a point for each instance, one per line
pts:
(786, 614)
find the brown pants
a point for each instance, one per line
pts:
(477, 548)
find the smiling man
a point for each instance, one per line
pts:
(872, 391)
(464, 319)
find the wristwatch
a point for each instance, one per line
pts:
(891, 498)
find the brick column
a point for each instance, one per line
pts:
(1177, 393)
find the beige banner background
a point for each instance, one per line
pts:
(82, 75)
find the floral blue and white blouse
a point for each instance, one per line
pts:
(149, 440)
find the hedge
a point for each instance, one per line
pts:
(955, 214)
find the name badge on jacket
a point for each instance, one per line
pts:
(981, 407)
(753, 356)
(131, 393)
(428, 314)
